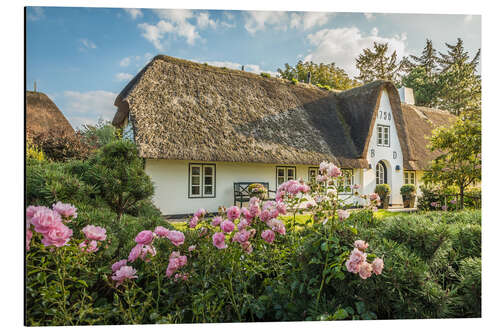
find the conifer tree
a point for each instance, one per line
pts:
(428, 60)
(376, 64)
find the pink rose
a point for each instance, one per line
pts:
(227, 226)
(161, 231)
(175, 262)
(45, 219)
(377, 265)
(343, 214)
(233, 213)
(218, 240)
(268, 236)
(281, 207)
(243, 224)
(333, 171)
(352, 266)
(135, 253)
(361, 245)
(216, 221)
(254, 211)
(66, 210)
(176, 237)
(119, 264)
(58, 235)
(124, 273)
(374, 197)
(200, 213)
(145, 237)
(94, 233)
(191, 248)
(193, 222)
(357, 256)
(241, 236)
(247, 247)
(265, 215)
(92, 247)
(29, 235)
(365, 270)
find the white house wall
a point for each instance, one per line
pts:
(394, 178)
(171, 182)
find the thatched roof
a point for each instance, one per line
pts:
(420, 121)
(43, 116)
(188, 111)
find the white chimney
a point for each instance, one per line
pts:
(406, 95)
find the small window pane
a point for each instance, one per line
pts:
(281, 180)
(208, 190)
(209, 171)
(195, 190)
(195, 180)
(208, 181)
(195, 170)
(291, 173)
(281, 172)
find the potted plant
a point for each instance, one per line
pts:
(383, 191)
(408, 192)
(257, 190)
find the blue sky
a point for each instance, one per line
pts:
(83, 57)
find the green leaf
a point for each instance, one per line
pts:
(340, 314)
(360, 307)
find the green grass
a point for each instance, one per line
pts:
(383, 213)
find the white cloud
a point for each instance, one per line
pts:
(252, 68)
(123, 76)
(308, 20)
(125, 62)
(343, 45)
(203, 21)
(88, 107)
(133, 12)
(258, 20)
(35, 13)
(261, 20)
(369, 16)
(177, 22)
(86, 44)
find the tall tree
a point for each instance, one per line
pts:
(324, 74)
(460, 161)
(426, 89)
(456, 55)
(376, 64)
(428, 59)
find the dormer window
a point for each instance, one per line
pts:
(383, 138)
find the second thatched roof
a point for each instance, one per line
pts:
(188, 111)
(43, 116)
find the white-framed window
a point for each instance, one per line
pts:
(410, 178)
(347, 180)
(201, 180)
(284, 173)
(313, 172)
(383, 136)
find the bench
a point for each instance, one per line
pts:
(242, 194)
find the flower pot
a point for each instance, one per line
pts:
(409, 201)
(384, 203)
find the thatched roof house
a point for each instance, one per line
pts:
(190, 120)
(183, 110)
(43, 116)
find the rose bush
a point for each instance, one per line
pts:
(257, 263)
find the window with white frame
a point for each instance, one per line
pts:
(284, 173)
(409, 177)
(383, 136)
(201, 180)
(347, 180)
(313, 172)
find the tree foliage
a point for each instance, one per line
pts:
(321, 74)
(460, 161)
(377, 64)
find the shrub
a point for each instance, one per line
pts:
(469, 288)
(294, 81)
(383, 190)
(263, 74)
(120, 177)
(407, 190)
